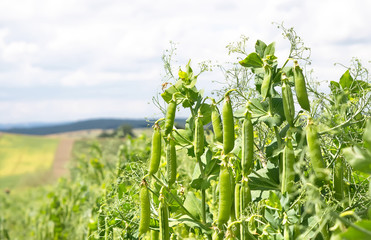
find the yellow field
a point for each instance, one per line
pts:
(21, 154)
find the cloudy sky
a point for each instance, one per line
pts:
(65, 60)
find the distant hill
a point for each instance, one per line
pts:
(84, 125)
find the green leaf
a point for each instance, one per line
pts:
(212, 167)
(260, 47)
(355, 234)
(258, 108)
(334, 86)
(193, 205)
(200, 183)
(358, 158)
(274, 201)
(265, 178)
(346, 80)
(252, 60)
(206, 113)
(270, 49)
(183, 136)
(167, 95)
(189, 70)
(182, 75)
(191, 82)
(277, 107)
(271, 120)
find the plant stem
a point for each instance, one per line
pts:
(180, 204)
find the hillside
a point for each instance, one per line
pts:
(83, 125)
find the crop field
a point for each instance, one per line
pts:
(268, 156)
(22, 157)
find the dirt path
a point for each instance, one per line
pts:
(62, 156)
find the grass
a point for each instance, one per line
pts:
(24, 157)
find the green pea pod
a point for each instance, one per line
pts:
(101, 224)
(228, 125)
(245, 198)
(170, 117)
(237, 208)
(338, 179)
(217, 124)
(155, 150)
(145, 211)
(164, 219)
(199, 145)
(247, 157)
(288, 172)
(171, 161)
(237, 200)
(155, 235)
(288, 101)
(267, 81)
(225, 196)
(314, 150)
(300, 87)
(245, 195)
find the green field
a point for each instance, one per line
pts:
(24, 159)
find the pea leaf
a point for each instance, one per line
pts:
(168, 93)
(206, 113)
(260, 47)
(270, 49)
(353, 233)
(265, 179)
(358, 158)
(182, 75)
(271, 120)
(346, 80)
(193, 205)
(334, 86)
(200, 183)
(252, 60)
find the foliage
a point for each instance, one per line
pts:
(277, 172)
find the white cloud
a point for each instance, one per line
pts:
(94, 43)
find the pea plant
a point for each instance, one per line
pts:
(261, 173)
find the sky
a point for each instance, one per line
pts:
(64, 60)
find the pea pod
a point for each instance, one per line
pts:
(338, 179)
(245, 195)
(288, 101)
(288, 172)
(145, 211)
(237, 200)
(300, 87)
(199, 145)
(101, 224)
(155, 235)
(245, 199)
(217, 124)
(171, 161)
(164, 219)
(155, 150)
(247, 156)
(170, 117)
(228, 125)
(314, 150)
(225, 193)
(237, 208)
(267, 81)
